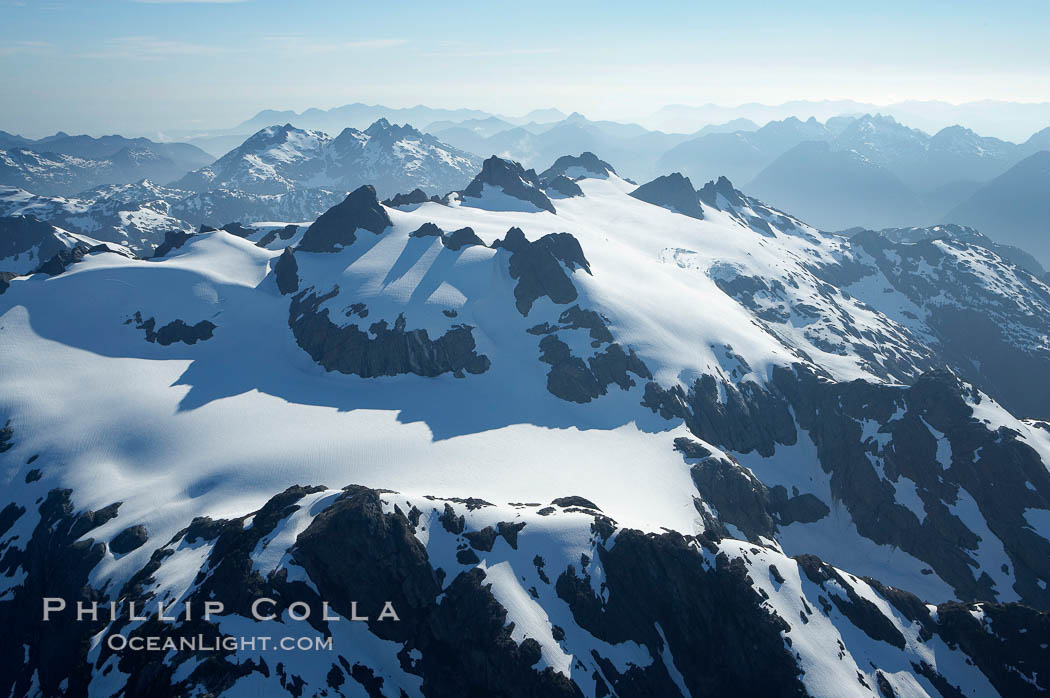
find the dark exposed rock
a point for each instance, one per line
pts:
(21, 234)
(982, 329)
(382, 350)
(354, 528)
(463, 237)
(57, 565)
(174, 331)
(662, 579)
(5, 280)
(173, 240)
(64, 259)
(576, 318)
(572, 379)
(537, 267)
(749, 419)
(7, 434)
(673, 192)
(585, 161)
(860, 611)
(416, 196)
(513, 179)
(710, 192)
(563, 186)
(353, 550)
(288, 231)
(131, 538)
(286, 272)
(335, 228)
(575, 501)
(1010, 647)
(569, 377)
(239, 230)
(665, 592)
(483, 539)
(428, 229)
(690, 449)
(509, 532)
(33, 475)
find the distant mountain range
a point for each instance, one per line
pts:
(64, 164)
(280, 159)
(867, 171)
(1007, 120)
(1014, 208)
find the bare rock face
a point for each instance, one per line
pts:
(538, 266)
(336, 227)
(416, 196)
(173, 240)
(458, 239)
(380, 350)
(673, 192)
(286, 272)
(131, 538)
(175, 331)
(587, 164)
(563, 186)
(513, 179)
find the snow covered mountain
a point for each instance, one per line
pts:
(141, 215)
(134, 215)
(64, 165)
(595, 448)
(278, 159)
(28, 244)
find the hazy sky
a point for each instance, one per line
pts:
(141, 66)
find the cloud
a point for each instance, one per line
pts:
(152, 48)
(476, 53)
(309, 45)
(15, 48)
(199, 2)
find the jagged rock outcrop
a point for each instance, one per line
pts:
(982, 311)
(685, 603)
(173, 240)
(286, 272)
(131, 538)
(26, 235)
(428, 229)
(538, 267)
(670, 615)
(335, 228)
(174, 331)
(414, 197)
(563, 186)
(380, 350)
(512, 179)
(586, 164)
(673, 192)
(461, 238)
(235, 228)
(741, 499)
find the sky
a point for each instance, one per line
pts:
(151, 66)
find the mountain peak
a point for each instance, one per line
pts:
(513, 179)
(587, 164)
(674, 192)
(380, 124)
(335, 228)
